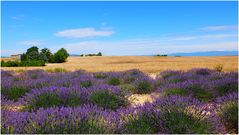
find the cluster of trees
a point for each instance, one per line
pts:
(97, 54)
(45, 55)
(35, 58)
(162, 55)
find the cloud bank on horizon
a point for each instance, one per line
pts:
(120, 28)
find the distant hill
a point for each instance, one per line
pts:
(210, 53)
(5, 56)
(75, 55)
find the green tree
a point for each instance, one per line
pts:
(66, 54)
(45, 54)
(24, 57)
(60, 56)
(33, 53)
(99, 54)
(32, 49)
(43, 57)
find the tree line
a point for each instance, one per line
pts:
(97, 54)
(34, 57)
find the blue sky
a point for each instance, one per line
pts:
(119, 28)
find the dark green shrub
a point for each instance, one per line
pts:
(229, 116)
(114, 81)
(226, 88)
(45, 100)
(181, 123)
(201, 94)
(32, 63)
(144, 87)
(2, 63)
(107, 100)
(100, 76)
(86, 83)
(129, 79)
(72, 101)
(10, 63)
(23, 63)
(175, 91)
(140, 125)
(15, 92)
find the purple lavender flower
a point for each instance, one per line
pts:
(85, 119)
(227, 110)
(82, 102)
(52, 96)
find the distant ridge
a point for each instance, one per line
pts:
(210, 53)
(74, 55)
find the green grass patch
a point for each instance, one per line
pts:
(175, 91)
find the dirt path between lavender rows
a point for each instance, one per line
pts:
(140, 99)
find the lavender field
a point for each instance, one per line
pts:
(196, 101)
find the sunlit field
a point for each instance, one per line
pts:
(146, 64)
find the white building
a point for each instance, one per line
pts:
(16, 56)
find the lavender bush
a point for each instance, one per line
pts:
(203, 84)
(195, 101)
(228, 112)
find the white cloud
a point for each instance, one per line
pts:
(84, 33)
(32, 42)
(219, 36)
(219, 28)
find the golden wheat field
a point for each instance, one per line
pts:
(147, 64)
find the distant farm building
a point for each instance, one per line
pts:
(16, 56)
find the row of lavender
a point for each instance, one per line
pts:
(197, 101)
